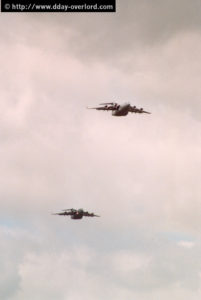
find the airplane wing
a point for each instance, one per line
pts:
(134, 109)
(105, 106)
(87, 214)
(65, 213)
(69, 209)
(141, 111)
(100, 108)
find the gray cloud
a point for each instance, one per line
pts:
(108, 36)
(140, 173)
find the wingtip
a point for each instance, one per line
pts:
(147, 112)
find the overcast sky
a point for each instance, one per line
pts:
(141, 173)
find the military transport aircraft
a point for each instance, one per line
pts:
(119, 109)
(76, 213)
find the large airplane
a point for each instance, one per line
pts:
(76, 213)
(119, 109)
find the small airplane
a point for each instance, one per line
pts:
(76, 213)
(119, 109)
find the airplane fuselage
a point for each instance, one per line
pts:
(77, 215)
(122, 110)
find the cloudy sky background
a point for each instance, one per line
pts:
(141, 173)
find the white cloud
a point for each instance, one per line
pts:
(127, 261)
(186, 244)
(140, 173)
